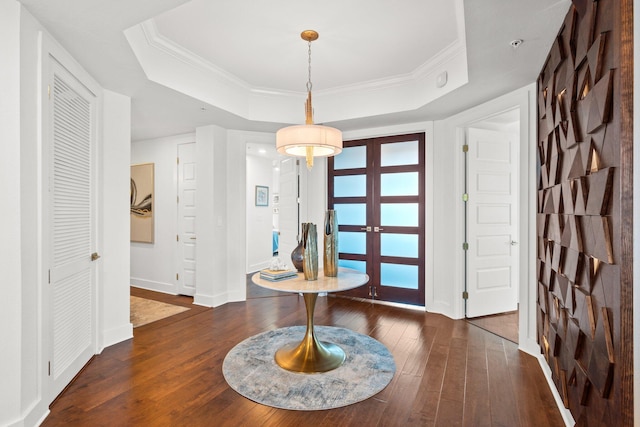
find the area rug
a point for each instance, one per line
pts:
(144, 311)
(250, 369)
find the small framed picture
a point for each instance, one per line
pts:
(262, 195)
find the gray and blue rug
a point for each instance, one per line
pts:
(251, 370)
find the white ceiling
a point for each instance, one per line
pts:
(364, 45)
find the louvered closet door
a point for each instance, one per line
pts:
(71, 224)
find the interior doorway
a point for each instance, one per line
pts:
(377, 187)
(491, 196)
(263, 205)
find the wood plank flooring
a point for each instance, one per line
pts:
(504, 325)
(449, 373)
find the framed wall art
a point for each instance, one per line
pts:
(262, 195)
(141, 197)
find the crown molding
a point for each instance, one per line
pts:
(170, 64)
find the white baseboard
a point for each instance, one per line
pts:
(116, 335)
(34, 416)
(167, 288)
(211, 300)
(564, 412)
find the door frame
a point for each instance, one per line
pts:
(524, 99)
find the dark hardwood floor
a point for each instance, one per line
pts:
(449, 372)
(504, 325)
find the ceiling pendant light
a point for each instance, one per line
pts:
(309, 140)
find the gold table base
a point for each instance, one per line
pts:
(310, 355)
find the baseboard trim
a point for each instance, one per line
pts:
(35, 416)
(166, 288)
(211, 300)
(116, 335)
(564, 412)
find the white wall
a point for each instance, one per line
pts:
(213, 249)
(236, 209)
(11, 365)
(153, 265)
(259, 218)
(114, 228)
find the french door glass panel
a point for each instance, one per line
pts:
(399, 275)
(352, 242)
(402, 245)
(351, 158)
(399, 184)
(399, 214)
(350, 186)
(399, 154)
(356, 265)
(351, 214)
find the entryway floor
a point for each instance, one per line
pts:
(504, 325)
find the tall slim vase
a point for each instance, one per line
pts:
(331, 243)
(310, 254)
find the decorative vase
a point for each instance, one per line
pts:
(310, 257)
(297, 256)
(331, 243)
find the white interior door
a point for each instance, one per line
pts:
(288, 208)
(70, 295)
(186, 240)
(492, 222)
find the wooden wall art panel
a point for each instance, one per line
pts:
(579, 217)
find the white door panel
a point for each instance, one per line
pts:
(288, 208)
(186, 241)
(70, 226)
(492, 256)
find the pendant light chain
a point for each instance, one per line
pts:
(309, 84)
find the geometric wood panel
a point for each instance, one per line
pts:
(579, 219)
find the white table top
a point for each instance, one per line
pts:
(347, 279)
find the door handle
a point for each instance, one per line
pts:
(513, 243)
(94, 256)
(367, 228)
(192, 238)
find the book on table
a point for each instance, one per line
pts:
(275, 275)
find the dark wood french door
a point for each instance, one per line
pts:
(377, 187)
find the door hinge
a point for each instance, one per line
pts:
(465, 246)
(177, 160)
(177, 276)
(465, 295)
(177, 238)
(49, 368)
(49, 276)
(49, 91)
(177, 199)
(465, 148)
(465, 197)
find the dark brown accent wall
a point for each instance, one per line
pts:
(584, 220)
